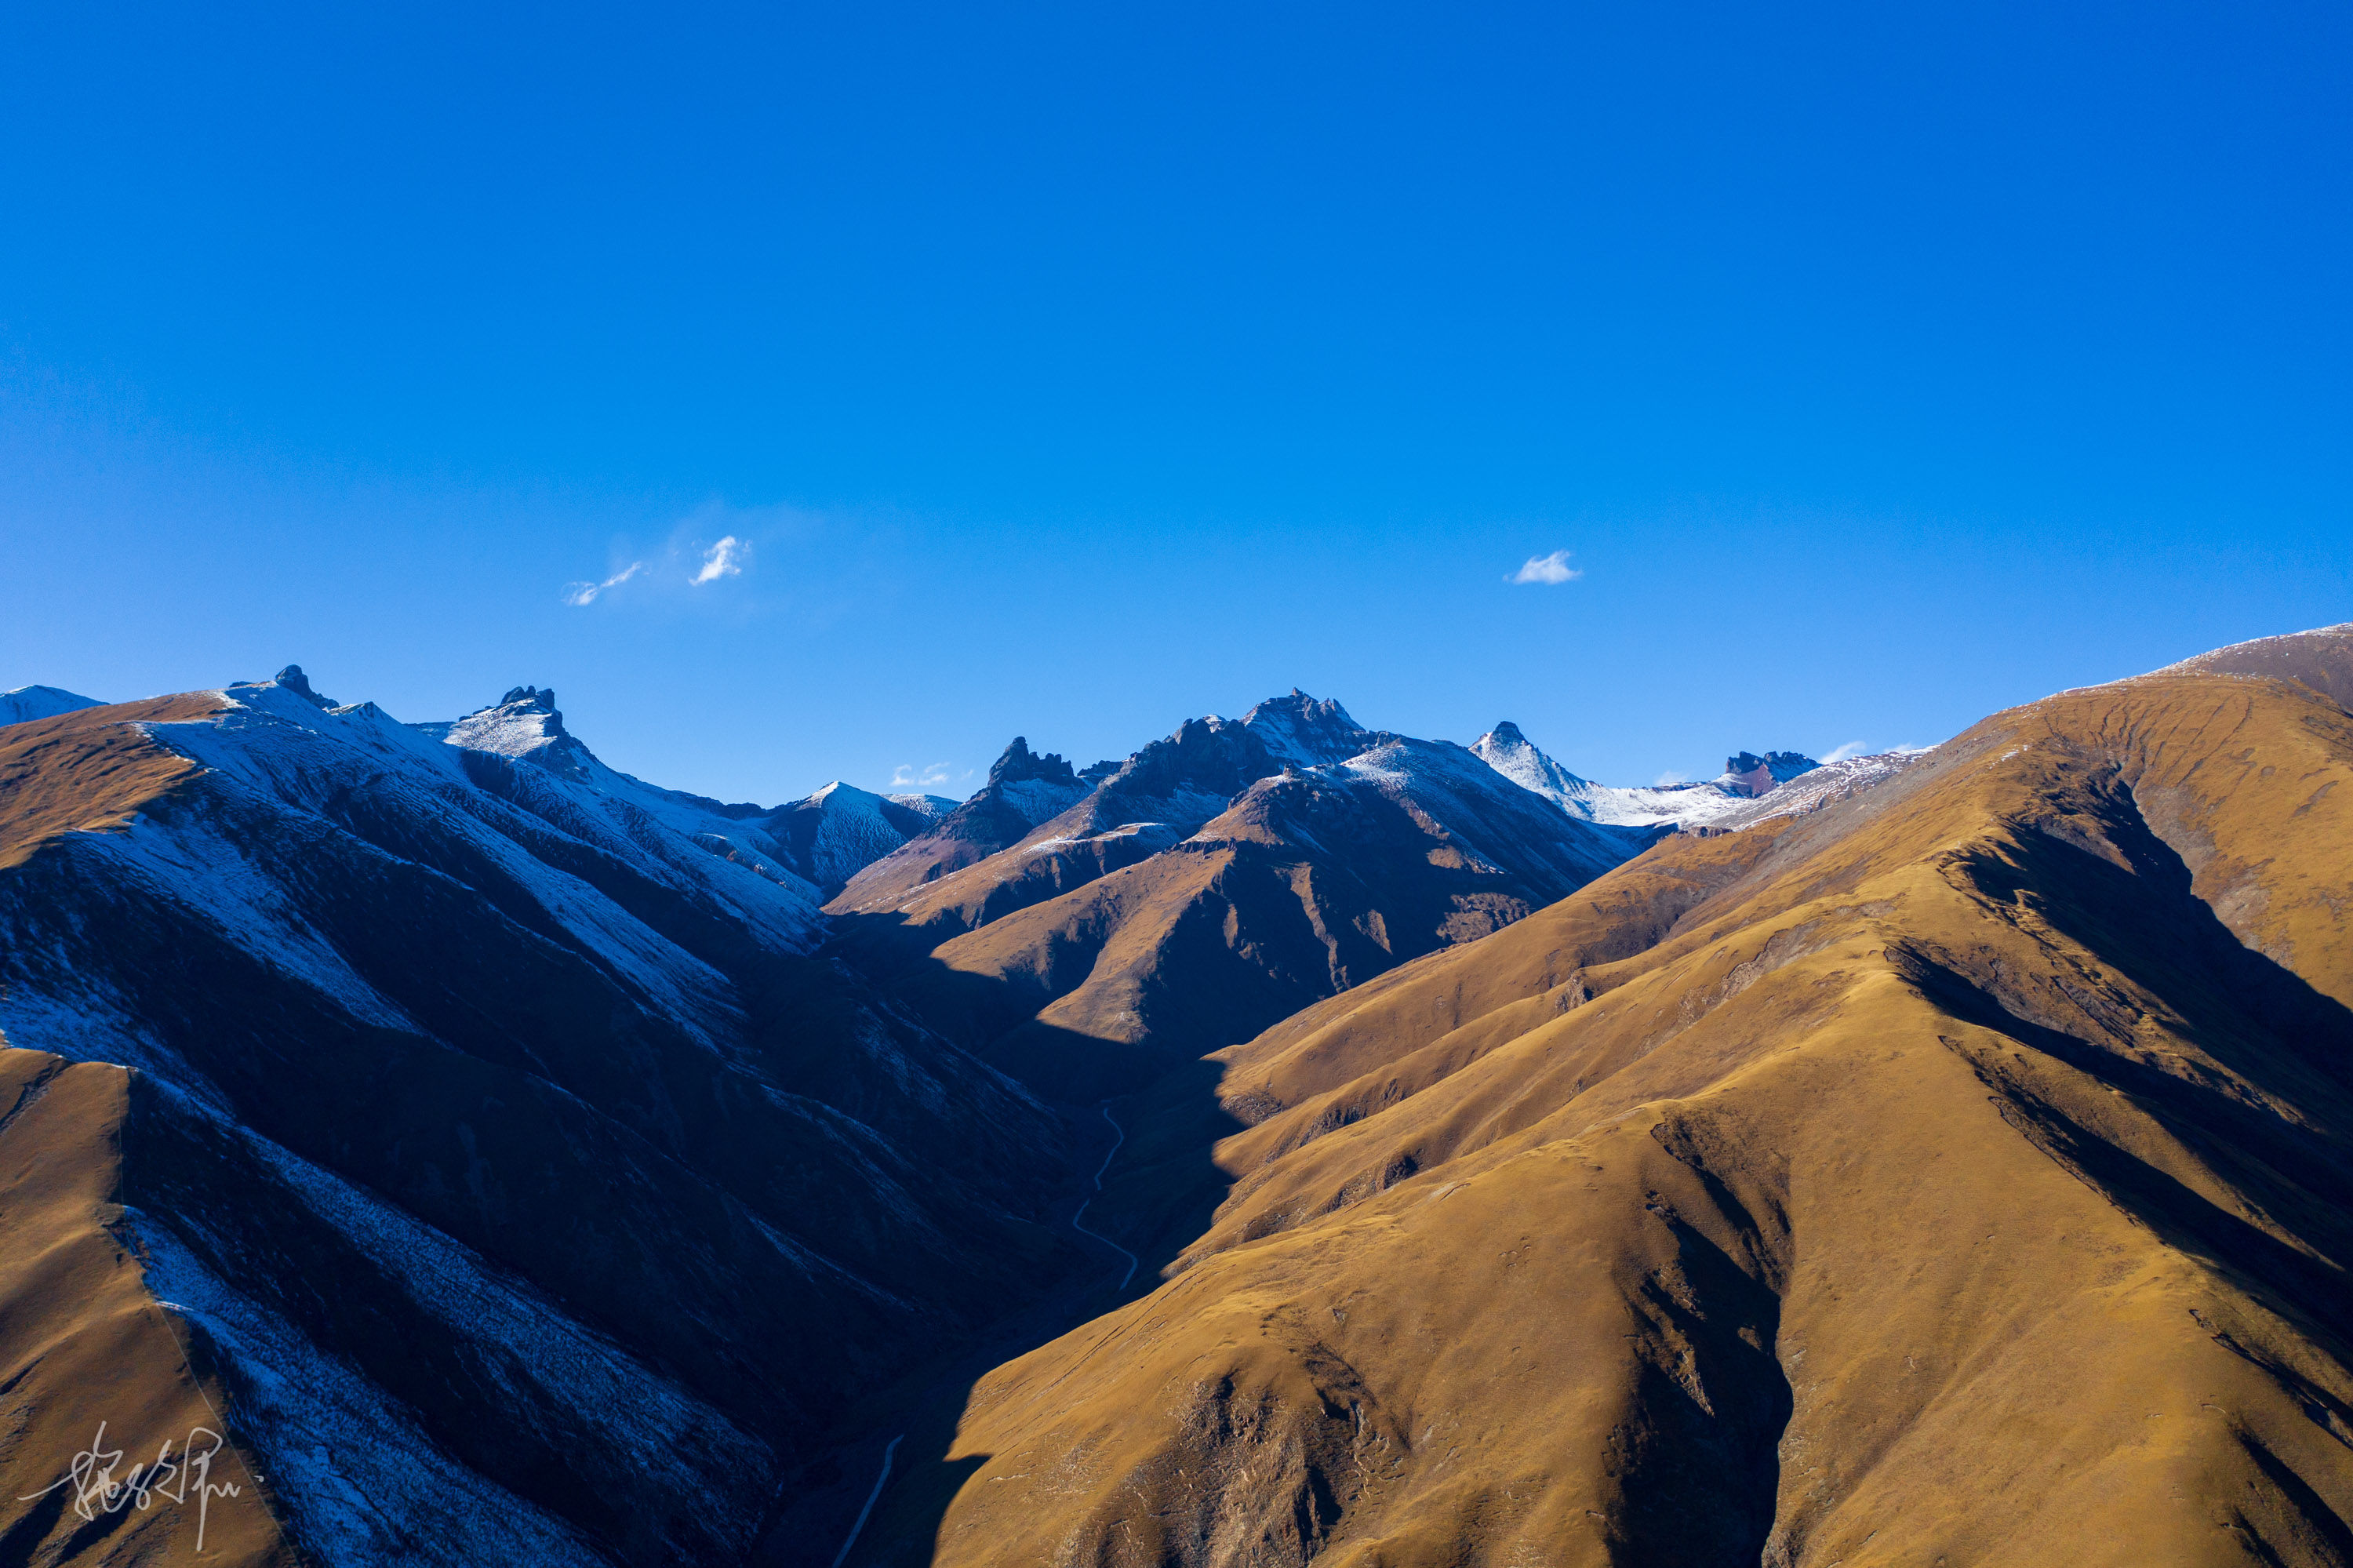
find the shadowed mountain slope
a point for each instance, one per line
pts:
(2321, 660)
(493, 1142)
(824, 838)
(1959, 1172)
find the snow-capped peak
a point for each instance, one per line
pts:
(26, 703)
(1511, 754)
(525, 725)
(1304, 732)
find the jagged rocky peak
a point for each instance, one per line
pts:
(294, 681)
(1216, 755)
(1019, 763)
(1306, 731)
(1752, 774)
(524, 724)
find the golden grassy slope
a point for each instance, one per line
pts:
(82, 1341)
(1959, 1175)
(86, 769)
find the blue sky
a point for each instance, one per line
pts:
(1068, 370)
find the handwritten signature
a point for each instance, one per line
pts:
(97, 1488)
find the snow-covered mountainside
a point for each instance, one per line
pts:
(29, 702)
(1751, 789)
(840, 829)
(1303, 732)
(824, 838)
(491, 1132)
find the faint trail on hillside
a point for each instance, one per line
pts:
(1119, 1136)
(1003, 1352)
(842, 1556)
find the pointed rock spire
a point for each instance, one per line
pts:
(294, 681)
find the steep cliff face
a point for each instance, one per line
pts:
(491, 1135)
(1958, 1172)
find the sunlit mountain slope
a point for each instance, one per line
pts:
(1958, 1173)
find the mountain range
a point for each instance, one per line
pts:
(1291, 1142)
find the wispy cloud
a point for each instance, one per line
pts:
(1552, 569)
(577, 594)
(1852, 748)
(1671, 777)
(725, 559)
(907, 777)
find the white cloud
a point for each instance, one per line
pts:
(1671, 777)
(725, 559)
(585, 593)
(1841, 753)
(1552, 569)
(906, 777)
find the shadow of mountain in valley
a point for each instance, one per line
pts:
(1141, 1157)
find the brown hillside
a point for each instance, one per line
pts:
(1158, 796)
(1305, 887)
(84, 1342)
(1023, 790)
(86, 769)
(1958, 1175)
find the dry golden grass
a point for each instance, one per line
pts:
(83, 1341)
(85, 770)
(1959, 1175)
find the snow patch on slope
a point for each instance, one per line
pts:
(364, 1485)
(1037, 801)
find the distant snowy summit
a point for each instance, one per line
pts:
(825, 838)
(1751, 789)
(26, 703)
